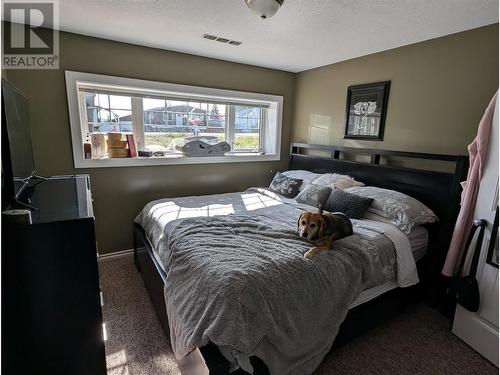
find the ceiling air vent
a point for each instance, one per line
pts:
(209, 37)
(221, 39)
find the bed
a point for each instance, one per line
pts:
(378, 295)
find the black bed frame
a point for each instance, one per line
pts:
(438, 190)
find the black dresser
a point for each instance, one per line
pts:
(51, 302)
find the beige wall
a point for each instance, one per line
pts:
(439, 90)
(120, 193)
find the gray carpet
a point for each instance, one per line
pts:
(416, 342)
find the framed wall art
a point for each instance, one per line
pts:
(366, 109)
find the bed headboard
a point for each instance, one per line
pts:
(440, 191)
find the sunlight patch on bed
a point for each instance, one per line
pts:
(204, 211)
(268, 194)
(159, 208)
(164, 213)
(256, 201)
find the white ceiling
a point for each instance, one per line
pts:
(303, 34)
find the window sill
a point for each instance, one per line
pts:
(174, 159)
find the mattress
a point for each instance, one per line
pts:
(419, 238)
(171, 210)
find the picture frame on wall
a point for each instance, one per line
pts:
(366, 109)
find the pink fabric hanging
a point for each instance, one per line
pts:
(478, 150)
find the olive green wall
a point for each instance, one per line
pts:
(439, 90)
(120, 193)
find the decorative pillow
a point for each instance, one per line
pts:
(354, 206)
(287, 186)
(400, 209)
(335, 180)
(314, 195)
(306, 176)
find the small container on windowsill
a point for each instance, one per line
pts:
(98, 144)
(145, 154)
(87, 150)
(87, 147)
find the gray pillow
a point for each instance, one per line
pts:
(287, 186)
(314, 195)
(400, 209)
(351, 205)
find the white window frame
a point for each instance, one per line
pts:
(77, 116)
(230, 131)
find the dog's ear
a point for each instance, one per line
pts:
(298, 221)
(322, 227)
(320, 209)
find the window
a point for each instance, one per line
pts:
(247, 128)
(108, 113)
(163, 117)
(169, 123)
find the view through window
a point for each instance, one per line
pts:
(108, 113)
(170, 123)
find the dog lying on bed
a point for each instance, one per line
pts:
(321, 229)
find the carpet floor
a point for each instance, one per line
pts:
(418, 341)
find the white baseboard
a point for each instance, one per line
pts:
(115, 255)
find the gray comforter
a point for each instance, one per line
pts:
(241, 282)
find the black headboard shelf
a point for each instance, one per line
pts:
(440, 191)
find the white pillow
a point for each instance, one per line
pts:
(400, 209)
(306, 176)
(372, 216)
(335, 180)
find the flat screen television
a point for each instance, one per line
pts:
(17, 153)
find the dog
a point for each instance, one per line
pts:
(321, 229)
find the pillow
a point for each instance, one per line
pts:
(354, 206)
(314, 195)
(306, 176)
(287, 186)
(371, 216)
(335, 180)
(400, 209)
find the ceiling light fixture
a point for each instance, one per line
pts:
(264, 8)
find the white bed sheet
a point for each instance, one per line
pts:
(418, 238)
